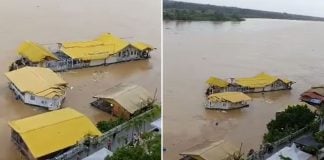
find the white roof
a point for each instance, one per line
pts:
(99, 155)
(157, 123)
(291, 152)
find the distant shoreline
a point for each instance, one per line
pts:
(175, 10)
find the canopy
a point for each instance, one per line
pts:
(142, 46)
(53, 131)
(214, 81)
(260, 80)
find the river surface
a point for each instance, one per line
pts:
(193, 51)
(58, 21)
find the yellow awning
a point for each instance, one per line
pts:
(38, 81)
(142, 46)
(35, 52)
(260, 80)
(233, 97)
(214, 81)
(115, 43)
(52, 131)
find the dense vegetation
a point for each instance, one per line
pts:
(149, 149)
(105, 126)
(173, 10)
(198, 15)
(288, 121)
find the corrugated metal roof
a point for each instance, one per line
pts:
(233, 97)
(214, 81)
(130, 97)
(260, 80)
(38, 81)
(210, 150)
(142, 46)
(100, 48)
(52, 131)
(35, 52)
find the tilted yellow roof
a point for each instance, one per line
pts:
(52, 131)
(210, 150)
(233, 97)
(214, 81)
(35, 52)
(38, 81)
(260, 80)
(142, 46)
(100, 48)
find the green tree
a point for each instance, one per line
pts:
(288, 121)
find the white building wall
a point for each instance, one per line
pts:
(225, 105)
(50, 104)
(97, 62)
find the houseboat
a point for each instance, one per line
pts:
(38, 86)
(103, 50)
(314, 95)
(227, 100)
(262, 82)
(49, 134)
(124, 100)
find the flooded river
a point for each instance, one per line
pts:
(193, 51)
(58, 20)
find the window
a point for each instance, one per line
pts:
(32, 97)
(44, 102)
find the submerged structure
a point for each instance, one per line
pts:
(209, 150)
(103, 50)
(262, 82)
(227, 100)
(314, 95)
(46, 135)
(124, 100)
(38, 86)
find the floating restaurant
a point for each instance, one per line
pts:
(227, 100)
(124, 100)
(105, 49)
(46, 135)
(38, 86)
(209, 150)
(262, 82)
(314, 96)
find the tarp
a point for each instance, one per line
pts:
(157, 123)
(130, 97)
(291, 152)
(210, 150)
(52, 131)
(38, 81)
(99, 155)
(35, 52)
(233, 97)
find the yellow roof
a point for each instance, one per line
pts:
(35, 52)
(210, 150)
(233, 97)
(260, 80)
(142, 46)
(130, 97)
(214, 81)
(100, 48)
(52, 131)
(38, 81)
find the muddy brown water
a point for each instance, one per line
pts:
(193, 51)
(56, 21)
